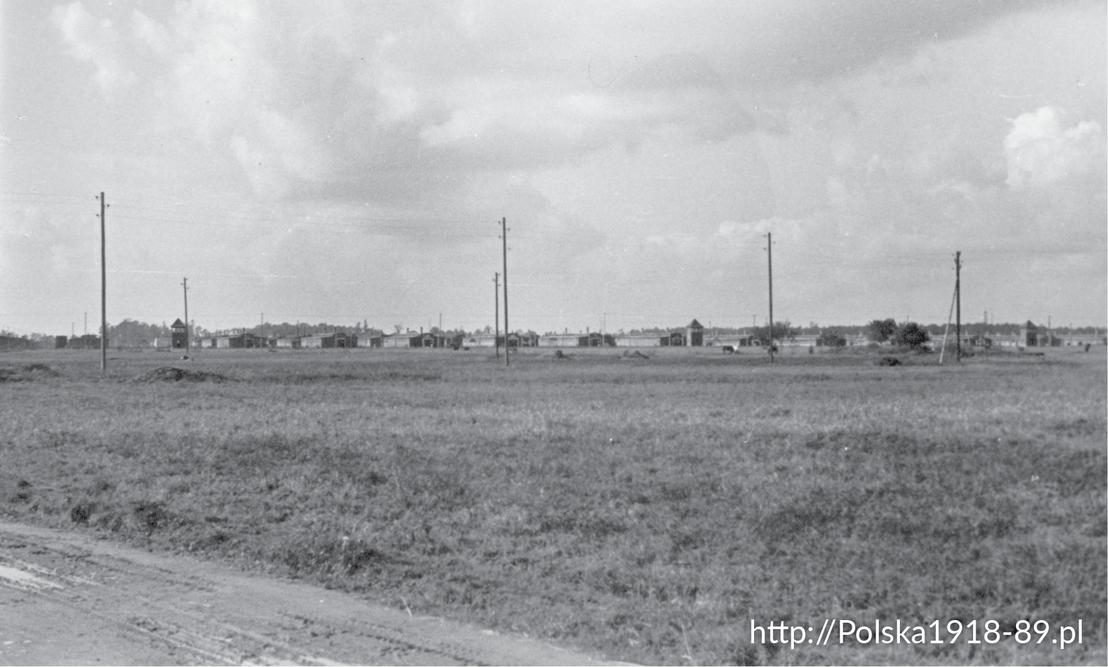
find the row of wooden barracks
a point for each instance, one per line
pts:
(691, 336)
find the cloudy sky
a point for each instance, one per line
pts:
(350, 161)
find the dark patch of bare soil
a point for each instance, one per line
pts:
(173, 374)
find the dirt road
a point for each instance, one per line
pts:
(68, 599)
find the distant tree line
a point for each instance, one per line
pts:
(132, 333)
(907, 334)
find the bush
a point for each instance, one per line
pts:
(912, 335)
(781, 331)
(831, 339)
(880, 331)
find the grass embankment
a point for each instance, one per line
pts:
(644, 508)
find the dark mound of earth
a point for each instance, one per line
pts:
(27, 372)
(172, 374)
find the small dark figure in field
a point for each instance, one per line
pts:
(1087, 346)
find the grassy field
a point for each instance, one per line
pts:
(643, 509)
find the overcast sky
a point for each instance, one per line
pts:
(350, 161)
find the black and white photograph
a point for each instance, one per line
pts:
(444, 332)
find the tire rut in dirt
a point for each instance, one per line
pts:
(198, 614)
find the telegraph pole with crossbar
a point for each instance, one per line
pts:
(958, 306)
(185, 285)
(769, 256)
(496, 313)
(103, 293)
(504, 238)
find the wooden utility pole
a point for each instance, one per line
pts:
(103, 293)
(946, 329)
(769, 256)
(188, 339)
(958, 306)
(496, 313)
(504, 238)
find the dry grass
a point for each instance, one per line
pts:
(644, 508)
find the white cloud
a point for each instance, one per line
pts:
(93, 41)
(1042, 150)
(616, 135)
(785, 228)
(37, 250)
(151, 33)
(263, 172)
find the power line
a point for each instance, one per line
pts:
(351, 223)
(38, 193)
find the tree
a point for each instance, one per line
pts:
(912, 335)
(781, 331)
(880, 331)
(831, 338)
